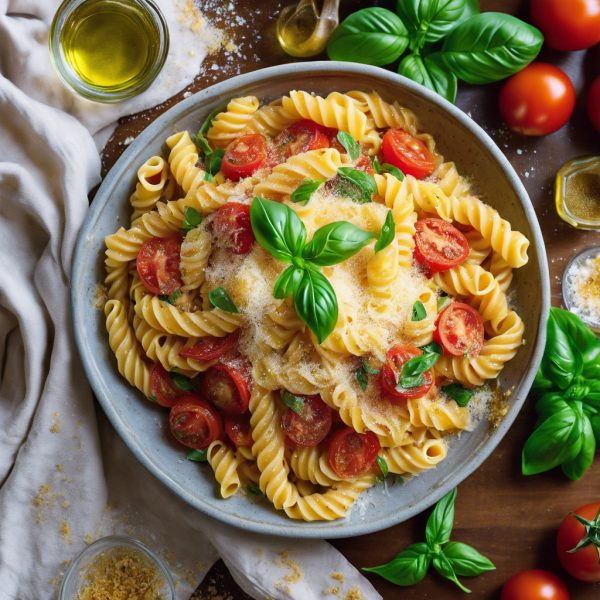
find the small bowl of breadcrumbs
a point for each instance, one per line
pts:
(117, 568)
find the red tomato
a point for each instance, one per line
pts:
(233, 229)
(351, 454)
(194, 422)
(163, 388)
(439, 246)
(568, 24)
(332, 135)
(209, 348)
(244, 156)
(238, 429)
(364, 164)
(460, 330)
(407, 153)
(301, 137)
(537, 101)
(226, 388)
(389, 376)
(593, 103)
(534, 584)
(582, 564)
(158, 264)
(310, 428)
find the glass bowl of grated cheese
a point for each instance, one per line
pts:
(581, 287)
(117, 568)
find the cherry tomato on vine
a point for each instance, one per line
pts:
(567, 24)
(593, 104)
(194, 422)
(582, 564)
(157, 264)
(244, 156)
(537, 101)
(390, 374)
(350, 453)
(233, 229)
(407, 153)
(534, 584)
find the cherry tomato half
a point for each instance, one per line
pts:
(163, 388)
(407, 153)
(312, 426)
(593, 104)
(364, 164)
(233, 229)
(209, 348)
(238, 429)
(350, 453)
(244, 156)
(300, 137)
(582, 564)
(534, 584)
(390, 374)
(537, 101)
(226, 387)
(439, 246)
(568, 25)
(194, 422)
(158, 264)
(460, 330)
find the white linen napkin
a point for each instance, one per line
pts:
(66, 478)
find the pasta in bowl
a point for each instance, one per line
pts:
(315, 293)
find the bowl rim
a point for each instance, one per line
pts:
(224, 90)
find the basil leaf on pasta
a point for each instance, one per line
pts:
(284, 285)
(392, 170)
(376, 165)
(305, 190)
(412, 381)
(419, 364)
(350, 144)
(460, 394)
(182, 382)
(388, 232)
(209, 120)
(253, 490)
(171, 298)
(363, 181)
(220, 298)
(197, 455)
(296, 403)
(213, 161)
(418, 311)
(361, 378)
(443, 302)
(368, 368)
(384, 468)
(192, 219)
(432, 347)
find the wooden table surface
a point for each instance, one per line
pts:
(510, 518)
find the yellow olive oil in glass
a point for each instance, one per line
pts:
(110, 44)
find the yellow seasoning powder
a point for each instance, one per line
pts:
(583, 287)
(582, 196)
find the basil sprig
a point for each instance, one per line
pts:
(305, 190)
(296, 403)
(220, 298)
(412, 371)
(388, 232)
(449, 558)
(477, 48)
(363, 181)
(212, 158)
(192, 219)
(568, 429)
(279, 230)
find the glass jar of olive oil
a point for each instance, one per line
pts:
(108, 50)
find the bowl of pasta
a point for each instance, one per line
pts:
(311, 297)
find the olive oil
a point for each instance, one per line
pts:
(110, 44)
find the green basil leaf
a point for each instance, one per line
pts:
(434, 18)
(388, 232)
(466, 561)
(182, 382)
(376, 164)
(440, 522)
(192, 219)
(284, 285)
(203, 145)
(316, 303)
(171, 298)
(306, 189)
(413, 381)
(365, 182)
(443, 302)
(491, 46)
(277, 228)
(443, 566)
(550, 404)
(392, 170)
(419, 364)
(209, 120)
(174, 369)
(431, 72)
(335, 243)
(361, 378)
(562, 361)
(372, 36)
(595, 422)
(471, 9)
(368, 368)
(350, 144)
(208, 177)
(558, 439)
(197, 455)
(220, 298)
(460, 394)
(213, 161)
(383, 466)
(408, 568)
(399, 479)
(418, 311)
(576, 468)
(253, 490)
(432, 347)
(296, 403)
(153, 398)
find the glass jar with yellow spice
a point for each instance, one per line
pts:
(578, 192)
(581, 287)
(108, 50)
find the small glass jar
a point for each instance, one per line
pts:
(581, 287)
(578, 193)
(114, 70)
(81, 568)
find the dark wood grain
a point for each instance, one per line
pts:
(509, 517)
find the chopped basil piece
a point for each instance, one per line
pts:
(252, 490)
(349, 144)
(399, 479)
(305, 190)
(153, 398)
(192, 219)
(361, 377)
(220, 298)
(182, 382)
(388, 231)
(171, 299)
(443, 302)
(367, 368)
(459, 393)
(213, 161)
(208, 177)
(197, 455)
(296, 403)
(376, 165)
(418, 311)
(392, 170)
(383, 466)
(363, 181)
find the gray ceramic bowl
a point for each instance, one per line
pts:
(142, 424)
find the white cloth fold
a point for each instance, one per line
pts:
(66, 478)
